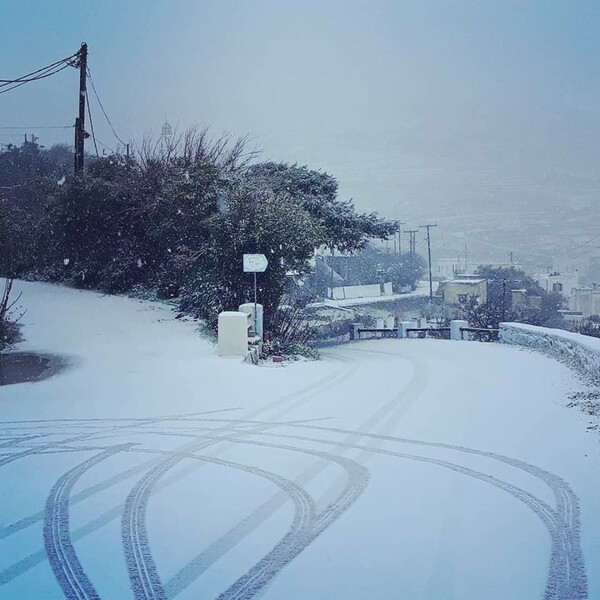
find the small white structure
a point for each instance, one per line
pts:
(455, 329)
(233, 333)
(403, 326)
(257, 324)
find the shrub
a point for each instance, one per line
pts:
(9, 324)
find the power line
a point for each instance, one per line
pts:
(111, 150)
(582, 245)
(89, 110)
(34, 75)
(6, 85)
(32, 127)
(89, 74)
(15, 86)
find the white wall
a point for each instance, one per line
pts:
(585, 300)
(569, 281)
(360, 291)
(580, 352)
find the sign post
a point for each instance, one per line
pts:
(255, 263)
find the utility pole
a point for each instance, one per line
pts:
(428, 227)
(80, 133)
(398, 231)
(412, 240)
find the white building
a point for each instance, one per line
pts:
(585, 300)
(458, 291)
(563, 283)
(449, 268)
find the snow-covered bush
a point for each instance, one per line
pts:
(177, 218)
(289, 332)
(9, 317)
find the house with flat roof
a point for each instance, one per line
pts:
(585, 300)
(461, 289)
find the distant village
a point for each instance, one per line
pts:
(381, 286)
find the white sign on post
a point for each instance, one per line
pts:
(255, 263)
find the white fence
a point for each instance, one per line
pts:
(581, 352)
(351, 292)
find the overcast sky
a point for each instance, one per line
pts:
(401, 100)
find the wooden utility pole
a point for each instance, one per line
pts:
(412, 243)
(398, 231)
(428, 227)
(80, 133)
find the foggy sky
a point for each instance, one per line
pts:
(435, 110)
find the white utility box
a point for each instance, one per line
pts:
(248, 308)
(233, 333)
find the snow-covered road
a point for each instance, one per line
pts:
(150, 468)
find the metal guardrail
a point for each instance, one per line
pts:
(480, 332)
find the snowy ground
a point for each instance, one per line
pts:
(391, 469)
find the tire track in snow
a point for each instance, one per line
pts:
(125, 421)
(270, 565)
(301, 526)
(23, 565)
(394, 408)
(325, 383)
(57, 536)
(60, 445)
(566, 563)
(15, 441)
(566, 576)
(81, 437)
(291, 545)
(307, 523)
(143, 575)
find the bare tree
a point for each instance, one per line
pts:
(9, 328)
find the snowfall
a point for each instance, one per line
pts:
(151, 468)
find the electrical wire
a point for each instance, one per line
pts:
(111, 150)
(7, 85)
(89, 111)
(14, 87)
(39, 73)
(32, 128)
(89, 74)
